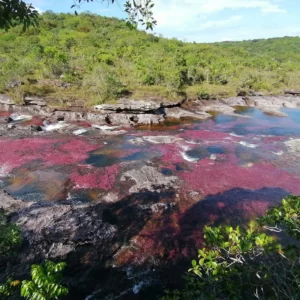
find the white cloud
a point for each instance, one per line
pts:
(195, 19)
(187, 13)
(218, 24)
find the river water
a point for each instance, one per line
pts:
(228, 169)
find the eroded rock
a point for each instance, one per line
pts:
(148, 178)
(137, 106)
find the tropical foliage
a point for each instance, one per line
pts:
(247, 263)
(44, 283)
(62, 58)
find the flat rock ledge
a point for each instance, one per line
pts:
(150, 112)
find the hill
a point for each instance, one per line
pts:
(95, 59)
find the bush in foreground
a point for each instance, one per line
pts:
(247, 263)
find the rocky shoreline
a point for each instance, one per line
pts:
(148, 112)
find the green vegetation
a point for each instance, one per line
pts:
(44, 283)
(10, 237)
(247, 263)
(45, 278)
(15, 12)
(98, 59)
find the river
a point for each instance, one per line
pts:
(160, 185)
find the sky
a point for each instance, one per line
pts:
(205, 20)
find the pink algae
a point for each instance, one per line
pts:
(15, 153)
(4, 113)
(87, 177)
(213, 179)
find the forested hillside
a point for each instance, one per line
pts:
(98, 59)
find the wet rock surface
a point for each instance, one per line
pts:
(126, 205)
(149, 112)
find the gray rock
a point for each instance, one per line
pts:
(5, 99)
(16, 117)
(148, 178)
(147, 119)
(258, 94)
(292, 92)
(15, 83)
(65, 115)
(131, 119)
(180, 113)
(137, 106)
(96, 117)
(34, 101)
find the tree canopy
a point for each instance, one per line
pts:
(14, 12)
(97, 59)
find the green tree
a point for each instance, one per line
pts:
(17, 11)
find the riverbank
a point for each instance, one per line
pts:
(152, 112)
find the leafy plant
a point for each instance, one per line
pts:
(10, 287)
(44, 284)
(286, 216)
(247, 263)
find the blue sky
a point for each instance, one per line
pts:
(207, 20)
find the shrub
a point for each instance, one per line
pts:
(45, 282)
(247, 263)
(103, 83)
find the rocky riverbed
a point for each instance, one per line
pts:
(125, 205)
